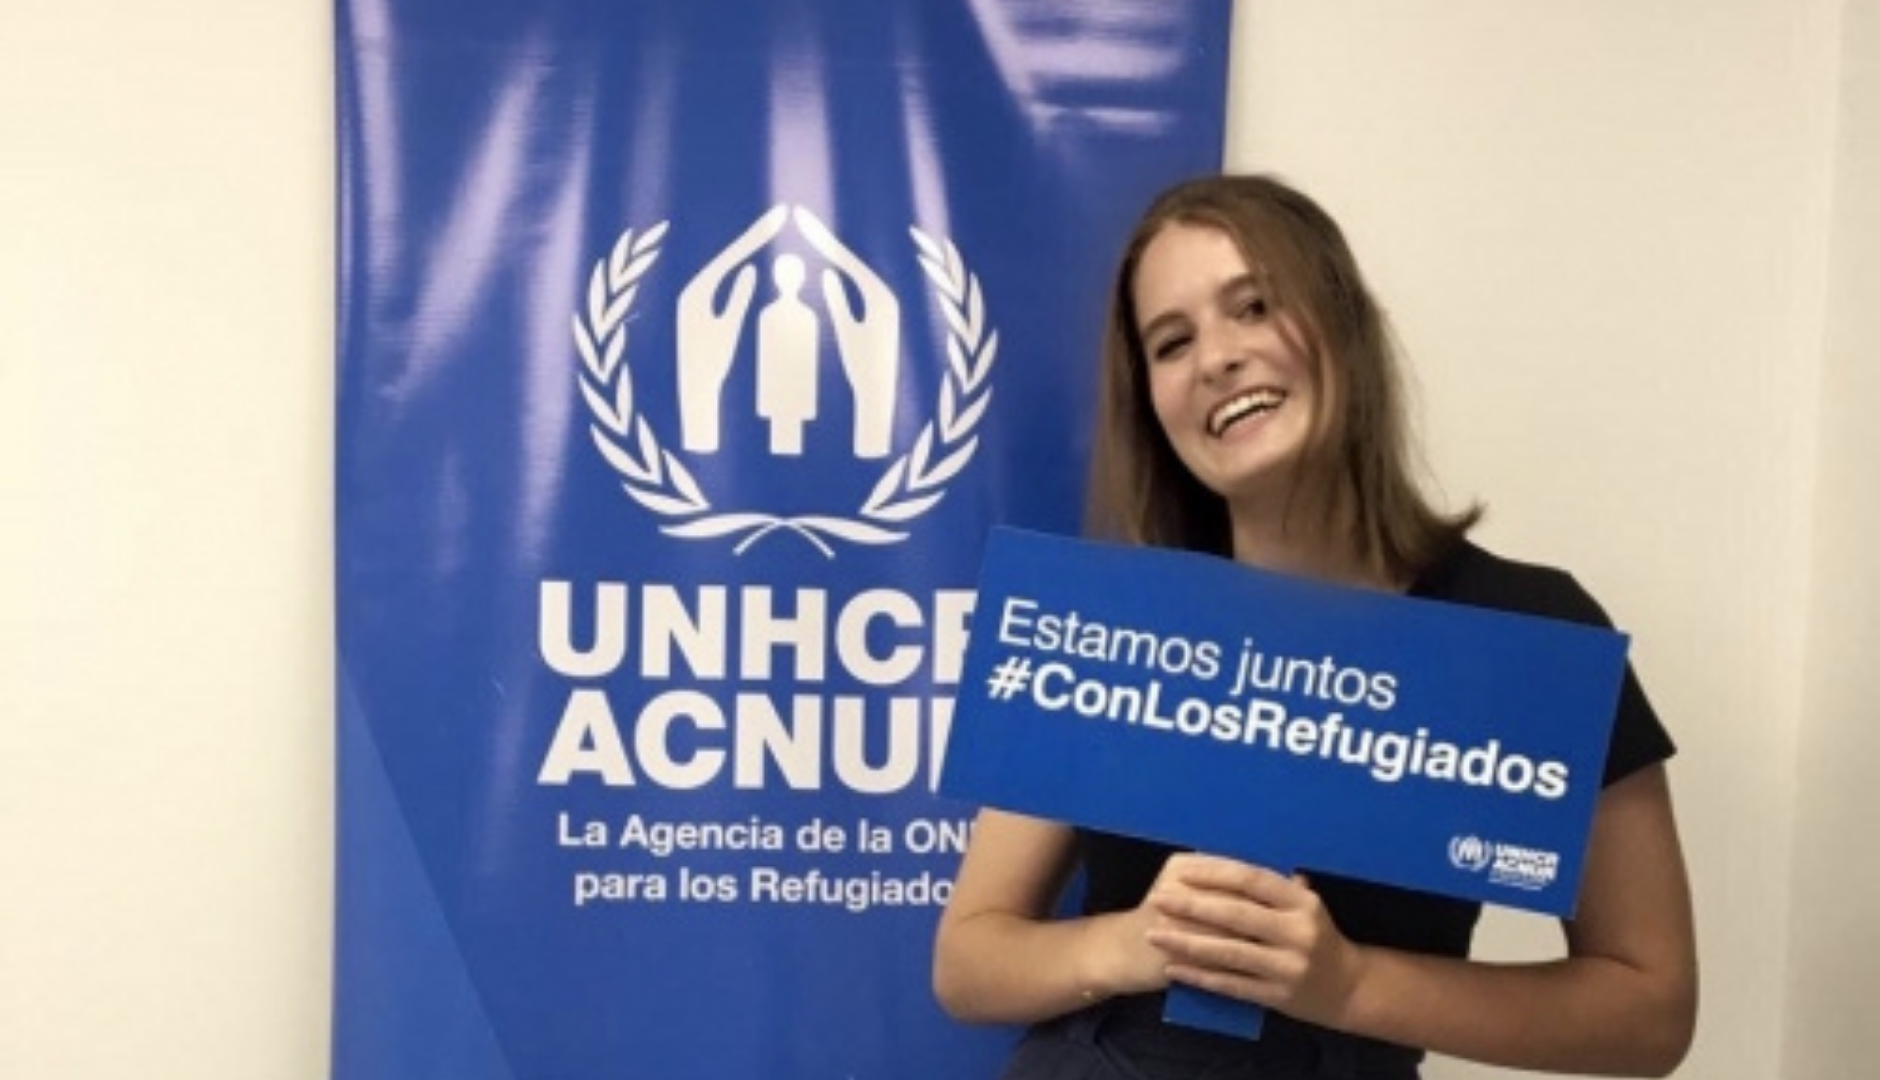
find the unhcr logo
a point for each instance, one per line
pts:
(719, 310)
(1531, 869)
(1470, 853)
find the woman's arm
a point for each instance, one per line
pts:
(1623, 1001)
(1001, 957)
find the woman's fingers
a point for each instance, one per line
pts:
(1234, 928)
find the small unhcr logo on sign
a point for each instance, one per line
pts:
(1471, 853)
(1506, 864)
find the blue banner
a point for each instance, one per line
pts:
(1191, 700)
(687, 351)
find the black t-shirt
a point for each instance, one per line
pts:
(1118, 870)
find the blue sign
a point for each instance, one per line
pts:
(1194, 701)
(681, 342)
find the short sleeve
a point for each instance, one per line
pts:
(1470, 575)
(1639, 739)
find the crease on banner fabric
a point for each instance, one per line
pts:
(415, 978)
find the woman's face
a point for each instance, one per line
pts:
(1229, 377)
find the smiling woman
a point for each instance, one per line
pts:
(1247, 368)
(1230, 378)
(1250, 408)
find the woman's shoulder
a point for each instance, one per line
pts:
(1470, 574)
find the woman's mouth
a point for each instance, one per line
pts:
(1244, 406)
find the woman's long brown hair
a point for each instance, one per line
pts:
(1358, 466)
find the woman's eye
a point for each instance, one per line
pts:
(1168, 347)
(1253, 309)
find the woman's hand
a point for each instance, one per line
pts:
(1121, 955)
(1237, 929)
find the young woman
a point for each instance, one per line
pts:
(1251, 408)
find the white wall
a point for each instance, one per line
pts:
(1828, 1029)
(166, 209)
(1603, 226)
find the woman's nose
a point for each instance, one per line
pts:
(1220, 357)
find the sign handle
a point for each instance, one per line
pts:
(1204, 1009)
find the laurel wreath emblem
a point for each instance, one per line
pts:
(910, 485)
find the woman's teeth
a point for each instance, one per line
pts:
(1242, 406)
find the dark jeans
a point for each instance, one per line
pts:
(1126, 1040)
